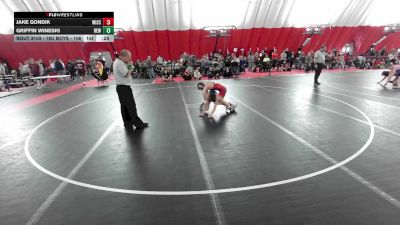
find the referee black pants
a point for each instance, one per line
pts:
(128, 106)
(318, 69)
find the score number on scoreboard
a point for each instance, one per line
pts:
(63, 26)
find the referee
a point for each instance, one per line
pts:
(319, 61)
(123, 80)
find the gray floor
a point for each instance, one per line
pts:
(291, 154)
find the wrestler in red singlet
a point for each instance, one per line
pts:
(220, 88)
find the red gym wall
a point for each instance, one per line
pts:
(171, 44)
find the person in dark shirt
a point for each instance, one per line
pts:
(166, 74)
(71, 69)
(35, 69)
(59, 66)
(80, 69)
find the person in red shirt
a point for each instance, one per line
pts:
(209, 95)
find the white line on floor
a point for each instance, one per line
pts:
(52, 197)
(363, 181)
(217, 208)
(360, 93)
(333, 111)
(336, 93)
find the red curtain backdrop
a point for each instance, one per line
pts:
(171, 44)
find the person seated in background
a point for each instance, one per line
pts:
(187, 75)
(178, 68)
(235, 66)
(227, 73)
(166, 74)
(378, 64)
(157, 70)
(206, 64)
(3, 83)
(309, 63)
(15, 74)
(24, 69)
(197, 64)
(340, 61)
(210, 73)
(266, 64)
(2, 86)
(215, 63)
(160, 60)
(189, 68)
(197, 74)
(215, 70)
(2, 69)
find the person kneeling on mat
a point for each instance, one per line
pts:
(210, 95)
(394, 72)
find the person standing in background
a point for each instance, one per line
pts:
(319, 61)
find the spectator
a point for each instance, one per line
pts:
(150, 68)
(160, 60)
(340, 60)
(197, 74)
(235, 66)
(24, 69)
(266, 64)
(166, 74)
(80, 69)
(41, 68)
(3, 83)
(142, 68)
(51, 67)
(250, 60)
(383, 51)
(283, 60)
(178, 68)
(59, 66)
(40, 61)
(227, 73)
(309, 63)
(242, 63)
(2, 69)
(34, 68)
(71, 69)
(186, 75)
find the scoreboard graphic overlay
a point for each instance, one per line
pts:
(63, 26)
